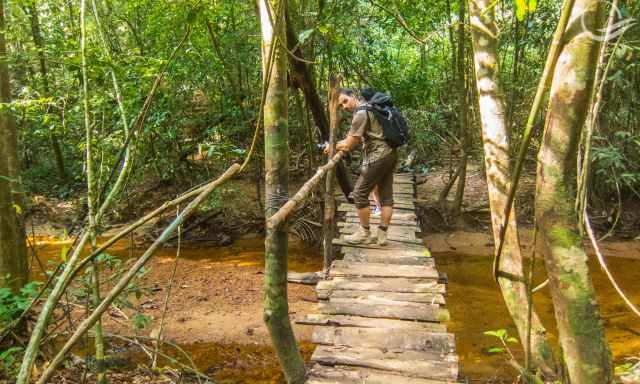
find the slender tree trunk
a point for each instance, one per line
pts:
(580, 328)
(328, 227)
(495, 136)
(13, 252)
(462, 111)
(276, 135)
(91, 198)
(32, 11)
(303, 79)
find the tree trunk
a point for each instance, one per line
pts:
(13, 252)
(303, 79)
(32, 11)
(276, 307)
(462, 111)
(328, 225)
(495, 136)
(580, 329)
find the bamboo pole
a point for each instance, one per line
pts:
(127, 277)
(303, 193)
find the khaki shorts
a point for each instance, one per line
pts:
(379, 173)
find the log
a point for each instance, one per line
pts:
(420, 364)
(324, 374)
(368, 322)
(306, 278)
(427, 298)
(382, 284)
(395, 340)
(303, 193)
(401, 310)
(341, 268)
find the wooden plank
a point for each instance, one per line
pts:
(369, 322)
(307, 278)
(388, 258)
(385, 252)
(401, 207)
(392, 245)
(390, 339)
(324, 374)
(400, 216)
(400, 234)
(402, 311)
(341, 268)
(420, 364)
(375, 220)
(413, 297)
(382, 285)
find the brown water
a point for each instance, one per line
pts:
(473, 299)
(476, 306)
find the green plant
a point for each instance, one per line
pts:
(503, 336)
(9, 358)
(12, 304)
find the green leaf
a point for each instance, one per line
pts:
(533, 5)
(499, 333)
(512, 340)
(323, 29)
(496, 350)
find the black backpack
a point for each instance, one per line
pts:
(394, 126)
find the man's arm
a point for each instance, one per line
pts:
(349, 143)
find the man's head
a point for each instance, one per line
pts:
(347, 99)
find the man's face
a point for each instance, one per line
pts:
(348, 103)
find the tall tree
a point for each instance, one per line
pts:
(31, 9)
(13, 252)
(580, 329)
(463, 132)
(495, 137)
(276, 159)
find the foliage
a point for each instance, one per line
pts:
(13, 304)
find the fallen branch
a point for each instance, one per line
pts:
(127, 277)
(303, 193)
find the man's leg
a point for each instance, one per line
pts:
(385, 190)
(365, 183)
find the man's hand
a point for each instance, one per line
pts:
(342, 146)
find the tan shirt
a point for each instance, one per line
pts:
(370, 131)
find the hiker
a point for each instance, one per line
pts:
(378, 164)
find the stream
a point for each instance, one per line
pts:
(216, 311)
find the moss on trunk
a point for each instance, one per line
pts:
(276, 155)
(580, 328)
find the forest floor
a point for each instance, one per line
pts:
(215, 310)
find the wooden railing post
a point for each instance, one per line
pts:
(328, 227)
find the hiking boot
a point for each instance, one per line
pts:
(382, 237)
(361, 236)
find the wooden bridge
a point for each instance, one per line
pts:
(381, 309)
